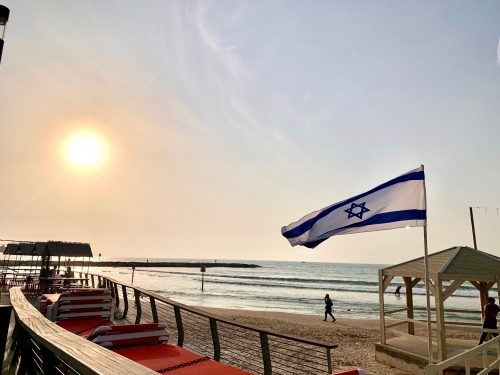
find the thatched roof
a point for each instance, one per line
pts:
(455, 263)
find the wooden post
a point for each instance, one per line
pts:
(427, 295)
(5, 312)
(117, 297)
(93, 281)
(125, 302)
(25, 346)
(203, 269)
(473, 228)
(441, 334)
(409, 304)
(266, 354)
(381, 291)
(483, 295)
(329, 360)
(498, 288)
(49, 360)
(215, 338)
(152, 301)
(138, 309)
(133, 270)
(180, 327)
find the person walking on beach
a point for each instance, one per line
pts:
(490, 312)
(328, 308)
(397, 293)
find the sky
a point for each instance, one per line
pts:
(225, 120)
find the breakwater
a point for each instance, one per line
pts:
(147, 264)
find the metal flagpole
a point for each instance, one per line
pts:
(426, 276)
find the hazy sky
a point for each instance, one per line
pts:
(226, 120)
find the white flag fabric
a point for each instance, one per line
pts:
(395, 204)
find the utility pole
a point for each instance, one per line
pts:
(473, 228)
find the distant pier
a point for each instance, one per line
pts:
(169, 264)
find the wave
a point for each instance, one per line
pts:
(323, 288)
(298, 279)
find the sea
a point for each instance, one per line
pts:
(293, 287)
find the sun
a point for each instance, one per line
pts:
(84, 150)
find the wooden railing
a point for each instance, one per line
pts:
(488, 351)
(41, 347)
(257, 350)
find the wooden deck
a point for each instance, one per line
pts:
(411, 355)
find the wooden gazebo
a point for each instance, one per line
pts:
(448, 270)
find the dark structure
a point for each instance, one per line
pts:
(4, 17)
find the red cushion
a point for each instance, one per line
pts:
(130, 335)
(83, 327)
(160, 356)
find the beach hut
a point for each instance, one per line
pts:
(448, 270)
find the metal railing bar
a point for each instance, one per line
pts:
(281, 344)
(203, 313)
(249, 363)
(297, 349)
(241, 344)
(285, 355)
(245, 347)
(291, 349)
(302, 365)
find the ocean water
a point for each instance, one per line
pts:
(293, 287)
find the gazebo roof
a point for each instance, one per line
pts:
(65, 249)
(22, 248)
(455, 263)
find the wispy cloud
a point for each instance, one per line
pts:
(218, 42)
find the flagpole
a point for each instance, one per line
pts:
(426, 276)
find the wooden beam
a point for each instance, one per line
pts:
(415, 281)
(440, 323)
(451, 288)
(432, 289)
(490, 284)
(381, 290)
(476, 284)
(409, 304)
(386, 281)
(389, 312)
(483, 294)
(395, 324)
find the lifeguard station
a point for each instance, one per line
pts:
(404, 340)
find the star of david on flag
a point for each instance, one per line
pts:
(397, 203)
(358, 214)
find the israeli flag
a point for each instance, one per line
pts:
(395, 204)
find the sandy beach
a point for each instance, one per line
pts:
(356, 337)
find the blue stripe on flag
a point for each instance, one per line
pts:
(307, 225)
(383, 218)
